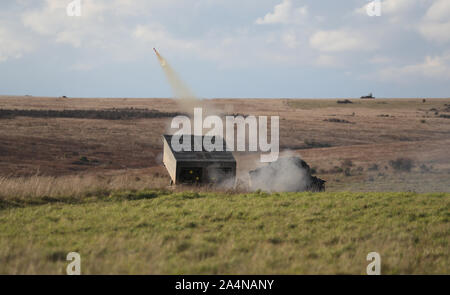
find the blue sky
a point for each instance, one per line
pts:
(226, 48)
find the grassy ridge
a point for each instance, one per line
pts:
(147, 232)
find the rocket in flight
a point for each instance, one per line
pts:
(160, 58)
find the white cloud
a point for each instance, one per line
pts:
(438, 32)
(391, 7)
(397, 6)
(435, 25)
(325, 60)
(284, 13)
(91, 28)
(109, 30)
(52, 20)
(11, 46)
(433, 67)
(439, 11)
(378, 59)
(158, 36)
(227, 50)
(104, 29)
(340, 40)
(289, 38)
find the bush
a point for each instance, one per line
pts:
(335, 120)
(84, 159)
(347, 172)
(314, 144)
(402, 164)
(105, 114)
(344, 101)
(425, 168)
(347, 163)
(373, 167)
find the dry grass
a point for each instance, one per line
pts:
(75, 186)
(383, 130)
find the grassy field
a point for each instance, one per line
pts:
(74, 175)
(163, 232)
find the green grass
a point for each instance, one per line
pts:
(158, 232)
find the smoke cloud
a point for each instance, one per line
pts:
(184, 95)
(289, 174)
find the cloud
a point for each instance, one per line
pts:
(284, 13)
(101, 23)
(435, 25)
(289, 38)
(157, 35)
(439, 11)
(103, 33)
(438, 32)
(340, 40)
(12, 46)
(51, 20)
(398, 6)
(378, 59)
(227, 50)
(433, 67)
(325, 60)
(391, 7)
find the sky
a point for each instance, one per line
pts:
(226, 48)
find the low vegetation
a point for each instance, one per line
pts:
(106, 114)
(402, 164)
(315, 144)
(23, 191)
(344, 101)
(335, 120)
(163, 232)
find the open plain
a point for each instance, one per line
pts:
(353, 146)
(85, 175)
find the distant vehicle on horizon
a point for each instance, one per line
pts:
(370, 96)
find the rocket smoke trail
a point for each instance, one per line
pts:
(179, 88)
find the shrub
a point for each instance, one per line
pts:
(373, 167)
(314, 144)
(402, 164)
(84, 159)
(347, 163)
(344, 101)
(106, 114)
(425, 168)
(347, 172)
(335, 120)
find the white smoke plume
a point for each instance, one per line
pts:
(184, 95)
(287, 174)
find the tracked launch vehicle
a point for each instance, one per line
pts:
(199, 167)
